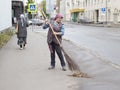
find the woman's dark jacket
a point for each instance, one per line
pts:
(57, 28)
(22, 30)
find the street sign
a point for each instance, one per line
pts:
(32, 7)
(103, 10)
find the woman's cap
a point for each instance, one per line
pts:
(58, 16)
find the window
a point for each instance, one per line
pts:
(101, 1)
(94, 2)
(108, 0)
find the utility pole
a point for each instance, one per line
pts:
(58, 4)
(106, 10)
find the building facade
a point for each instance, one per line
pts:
(97, 11)
(102, 10)
(5, 14)
(65, 9)
(76, 10)
(71, 9)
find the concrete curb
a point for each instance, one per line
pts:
(97, 25)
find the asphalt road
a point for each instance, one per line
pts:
(103, 42)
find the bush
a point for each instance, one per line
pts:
(5, 36)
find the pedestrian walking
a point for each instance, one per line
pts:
(53, 44)
(21, 31)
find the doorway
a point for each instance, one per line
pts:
(97, 15)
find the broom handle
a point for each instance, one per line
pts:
(52, 30)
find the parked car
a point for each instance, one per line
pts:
(85, 21)
(29, 22)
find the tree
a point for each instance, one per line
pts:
(43, 7)
(26, 8)
(30, 1)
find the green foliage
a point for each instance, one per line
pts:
(4, 37)
(30, 1)
(43, 6)
(26, 8)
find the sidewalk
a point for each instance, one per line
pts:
(28, 69)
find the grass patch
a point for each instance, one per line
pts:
(5, 37)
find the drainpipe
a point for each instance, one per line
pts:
(58, 4)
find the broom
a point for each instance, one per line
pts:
(71, 64)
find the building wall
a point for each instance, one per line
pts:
(65, 9)
(76, 10)
(5, 14)
(93, 10)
